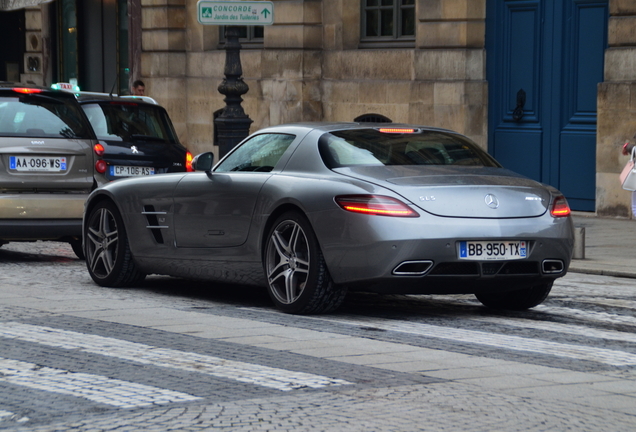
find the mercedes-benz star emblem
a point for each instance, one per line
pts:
(134, 149)
(491, 201)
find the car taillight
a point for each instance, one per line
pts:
(375, 205)
(26, 90)
(560, 207)
(188, 162)
(100, 166)
(99, 149)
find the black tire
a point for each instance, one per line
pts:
(297, 276)
(108, 257)
(76, 245)
(516, 300)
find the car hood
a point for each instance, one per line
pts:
(469, 192)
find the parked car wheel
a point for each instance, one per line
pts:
(108, 257)
(516, 300)
(298, 279)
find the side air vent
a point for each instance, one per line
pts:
(413, 268)
(153, 222)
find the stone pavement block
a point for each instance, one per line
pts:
(627, 387)
(562, 376)
(504, 382)
(369, 359)
(296, 345)
(452, 372)
(571, 392)
(256, 340)
(338, 353)
(421, 366)
(514, 368)
(375, 346)
(621, 403)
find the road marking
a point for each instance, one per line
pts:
(516, 343)
(560, 328)
(280, 379)
(101, 389)
(588, 315)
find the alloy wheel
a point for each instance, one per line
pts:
(103, 238)
(287, 262)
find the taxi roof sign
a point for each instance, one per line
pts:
(65, 86)
(240, 13)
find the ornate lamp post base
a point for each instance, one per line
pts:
(233, 125)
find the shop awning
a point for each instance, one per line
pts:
(9, 5)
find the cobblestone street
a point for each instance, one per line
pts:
(183, 355)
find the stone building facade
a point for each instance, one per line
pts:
(313, 64)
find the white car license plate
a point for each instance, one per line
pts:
(37, 163)
(130, 171)
(493, 250)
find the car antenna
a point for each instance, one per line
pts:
(112, 89)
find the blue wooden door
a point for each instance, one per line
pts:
(545, 59)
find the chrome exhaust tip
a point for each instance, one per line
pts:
(413, 268)
(552, 266)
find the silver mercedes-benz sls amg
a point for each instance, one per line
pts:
(313, 210)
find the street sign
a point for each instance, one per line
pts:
(240, 13)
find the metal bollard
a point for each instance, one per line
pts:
(579, 243)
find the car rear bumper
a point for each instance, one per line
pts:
(40, 229)
(29, 206)
(41, 216)
(375, 252)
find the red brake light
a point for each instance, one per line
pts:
(99, 149)
(27, 90)
(396, 130)
(100, 166)
(188, 162)
(560, 207)
(375, 205)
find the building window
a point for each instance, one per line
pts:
(249, 36)
(388, 22)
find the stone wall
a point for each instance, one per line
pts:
(35, 24)
(616, 109)
(311, 68)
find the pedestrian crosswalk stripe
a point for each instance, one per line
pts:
(516, 343)
(604, 317)
(575, 330)
(101, 389)
(280, 379)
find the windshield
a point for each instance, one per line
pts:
(130, 121)
(42, 116)
(372, 147)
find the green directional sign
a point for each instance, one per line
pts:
(239, 13)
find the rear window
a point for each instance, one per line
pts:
(372, 147)
(129, 121)
(41, 115)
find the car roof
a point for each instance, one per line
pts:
(84, 97)
(336, 126)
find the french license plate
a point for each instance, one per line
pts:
(37, 163)
(493, 250)
(130, 171)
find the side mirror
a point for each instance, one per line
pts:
(203, 162)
